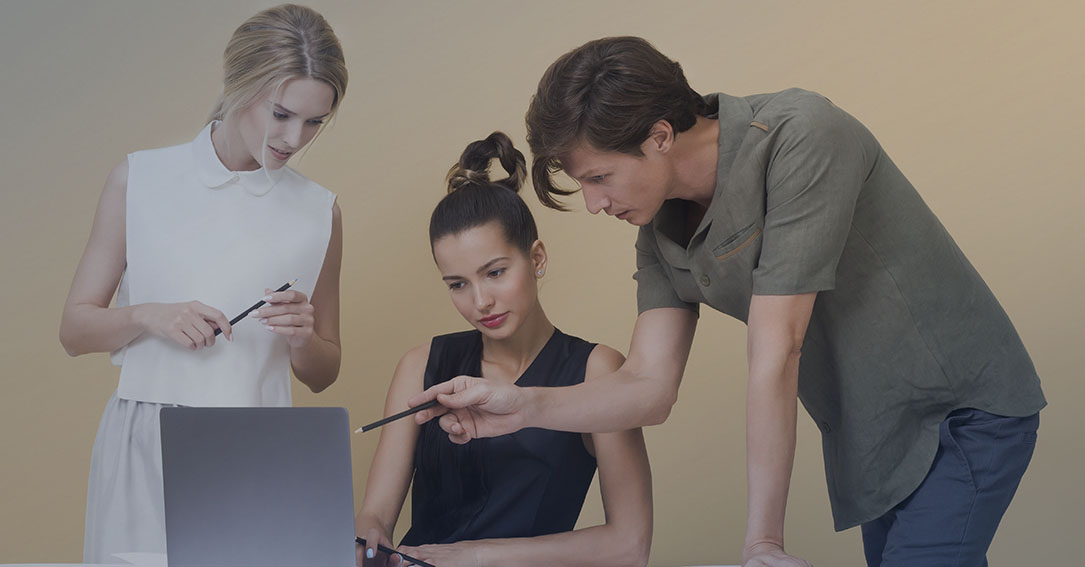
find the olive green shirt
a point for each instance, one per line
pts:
(903, 330)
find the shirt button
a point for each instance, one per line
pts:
(705, 281)
(826, 427)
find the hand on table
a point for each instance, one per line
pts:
(471, 408)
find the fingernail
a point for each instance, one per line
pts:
(269, 327)
(263, 321)
(267, 298)
(369, 553)
(255, 314)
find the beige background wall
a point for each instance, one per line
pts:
(980, 104)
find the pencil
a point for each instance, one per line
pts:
(256, 305)
(389, 551)
(392, 418)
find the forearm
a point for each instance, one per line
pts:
(597, 546)
(90, 328)
(615, 402)
(641, 392)
(771, 407)
(367, 519)
(317, 363)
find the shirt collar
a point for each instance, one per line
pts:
(213, 174)
(734, 115)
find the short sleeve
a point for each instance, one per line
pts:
(813, 181)
(654, 288)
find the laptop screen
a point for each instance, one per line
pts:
(268, 487)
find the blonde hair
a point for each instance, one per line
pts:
(281, 43)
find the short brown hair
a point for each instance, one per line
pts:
(607, 93)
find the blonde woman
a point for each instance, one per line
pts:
(194, 234)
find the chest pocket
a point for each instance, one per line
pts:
(727, 283)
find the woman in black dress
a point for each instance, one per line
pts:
(512, 499)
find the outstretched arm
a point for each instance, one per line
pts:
(777, 327)
(640, 392)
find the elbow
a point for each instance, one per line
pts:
(638, 554)
(71, 346)
(635, 548)
(317, 372)
(68, 347)
(320, 386)
(661, 405)
(795, 346)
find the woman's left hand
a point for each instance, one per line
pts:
(459, 554)
(287, 313)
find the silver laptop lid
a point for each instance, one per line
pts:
(268, 487)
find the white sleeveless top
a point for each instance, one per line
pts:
(197, 231)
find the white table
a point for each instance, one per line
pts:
(130, 559)
(159, 560)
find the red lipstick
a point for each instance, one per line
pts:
(494, 321)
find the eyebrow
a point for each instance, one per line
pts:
(286, 110)
(586, 174)
(485, 267)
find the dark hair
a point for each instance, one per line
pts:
(608, 93)
(474, 200)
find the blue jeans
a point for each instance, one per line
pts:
(951, 518)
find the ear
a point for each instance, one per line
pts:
(537, 254)
(660, 138)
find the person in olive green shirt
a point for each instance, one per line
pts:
(784, 211)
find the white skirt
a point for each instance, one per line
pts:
(125, 511)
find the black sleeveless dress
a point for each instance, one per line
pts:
(530, 483)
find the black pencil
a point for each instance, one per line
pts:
(392, 418)
(255, 306)
(389, 551)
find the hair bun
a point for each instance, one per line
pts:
(474, 165)
(458, 177)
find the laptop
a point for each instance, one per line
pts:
(267, 487)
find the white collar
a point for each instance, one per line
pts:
(215, 175)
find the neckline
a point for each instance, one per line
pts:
(531, 366)
(215, 175)
(733, 115)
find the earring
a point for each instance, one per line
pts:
(539, 272)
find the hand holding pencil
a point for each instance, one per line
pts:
(468, 408)
(194, 325)
(257, 305)
(286, 312)
(190, 324)
(472, 408)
